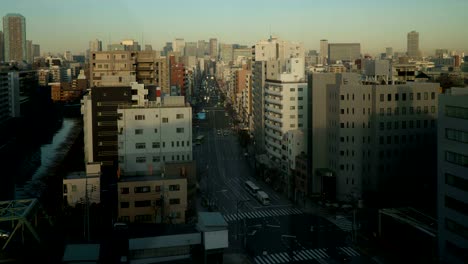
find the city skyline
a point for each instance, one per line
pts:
(243, 22)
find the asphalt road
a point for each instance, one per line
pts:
(224, 168)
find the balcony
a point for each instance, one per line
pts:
(273, 91)
(274, 108)
(273, 101)
(272, 134)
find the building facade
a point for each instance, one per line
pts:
(412, 47)
(343, 52)
(14, 35)
(452, 180)
(214, 48)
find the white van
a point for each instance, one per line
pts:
(263, 198)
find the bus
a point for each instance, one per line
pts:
(251, 188)
(199, 140)
(263, 198)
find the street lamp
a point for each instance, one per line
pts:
(239, 203)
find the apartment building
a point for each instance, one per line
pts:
(146, 199)
(452, 180)
(152, 134)
(9, 95)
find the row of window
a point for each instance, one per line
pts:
(456, 205)
(299, 98)
(456, 228)
(403, 139)
(147, 189)
(457, 112)
(139, 131)
(164, 119)
(395, 96)
(456, 158)
(147, 203)
(158, 144)
(396, 110)
(456, 135)
(158, 158)
(298, 107)
(411, 124)
(456, 182)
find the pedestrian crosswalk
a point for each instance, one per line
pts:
(349, 251)
(261, 214)
(342, 222)
(284, 257)
(318, 254)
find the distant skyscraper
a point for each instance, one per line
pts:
(29, 56)
(202, 48)
(214, 48)
(178, 45)
(2, 58)
(148, 47)
(324, 50)
(190, 49)
(95, 45)
(36, 50)
(14, 30)
(389, 52)
(343, 52)
(167, 48)
(413, 45)
(225, 52)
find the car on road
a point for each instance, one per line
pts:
(225, 133)
(218, 132)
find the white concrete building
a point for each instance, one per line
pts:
(82, 187)
(453, 176)
(285, 104)
(368, 131)
(9, 95)
(153, 133)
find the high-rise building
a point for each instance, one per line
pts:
(178, 45)
(111, 63)
(412, 47)
(214, 48)
(29, 50)
(453, 176)
(202, 49)
(441, 53)
(36, 50)
(375, 147)
(162, 75)
(225, 52)
(14, 30)
(9, 95)
(190, 49)
(2, 58)
(95, 45)
(148, 47)
(177, 80)
(167, 48)
(343, 52)
(324, 50)
(389, 52)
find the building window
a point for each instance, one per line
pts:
(157, 188)
(396, 97)
(460, 253)
(165, 120)
(138, 131)
(292, 125)
(456, 158)
(456, 135)
(143, 218)
(456, 205)
(164, 144)
(389, 125)
(292, 116)
(292, 108)
(382, 125)
(124, 190)
(140, 159)
(179, 116)
(389, 111)
(300, 107)
(397, 111)
(292, 89)
(456, 228)
(142, 189)
(124, 204)
(74, 188)
(411, 96)
(172, 143)
(411, 110)
(292, 98)
(300, 89)
(145, 203)
(180, 130)
(156, 159)
(389, 97)
(140, 117)
(174, 201)
(300, 98)
(155, 130)
(432, 109)
(418, 96)
(342, 97)
(156, 144)
(426, 96)
(432, 95)
(382, 97)
(174, 187)
(457, 112)
(418, 110)
(140, 145)
(382, 111)
(456, 182)
(403, 110)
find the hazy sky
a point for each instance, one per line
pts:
(59, 25)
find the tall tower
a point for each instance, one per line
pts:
(14, 30)
(1, 47)
(413, 45)
(324, 50)
(95, 45)
(214, 48)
